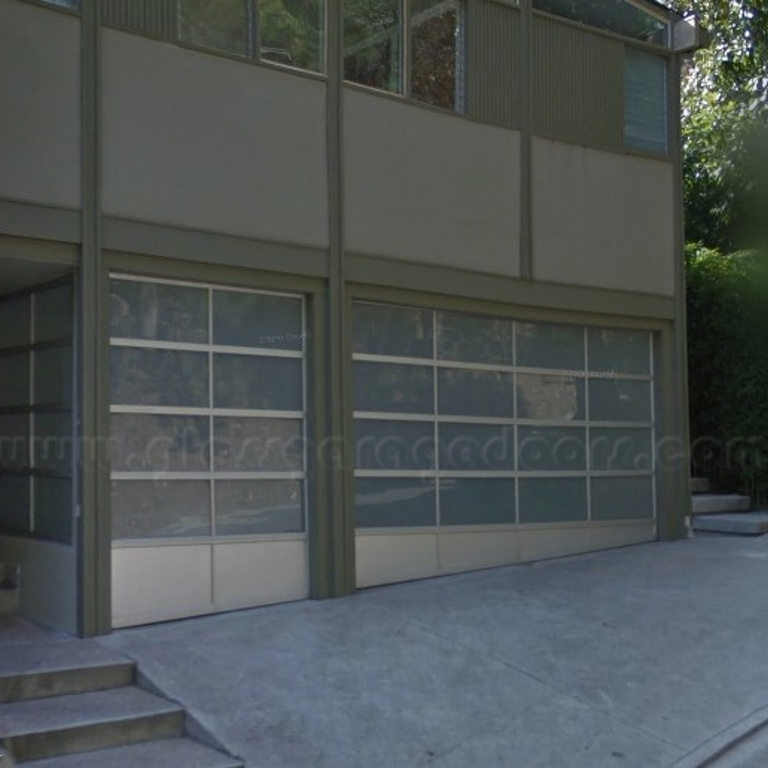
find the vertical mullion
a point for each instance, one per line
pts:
(253, 21)
(405, 38)
(515, 435)
(653, 426)
(31, 420)
(211, 482)
(435, 420)
(588, 434)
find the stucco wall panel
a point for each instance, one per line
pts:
(602, 219)
(201, 141)
(39, 105)
(432, 188)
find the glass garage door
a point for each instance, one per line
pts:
(207, 449)
(481, 441)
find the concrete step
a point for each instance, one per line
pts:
(39, 671)
(715, 503)
(743, 523)
(64, 725)
(700, 485)
(174, 753)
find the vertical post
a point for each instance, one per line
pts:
(94, 539)
(335, 458)
(526, 140)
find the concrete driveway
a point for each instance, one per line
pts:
(647, 656)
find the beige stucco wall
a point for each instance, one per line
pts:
(602, 219)
(39, 105)
(430, 187)
(201, 141)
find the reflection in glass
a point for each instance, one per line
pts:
(395, 388)
(394, 445)
(159, 377)
(14, 380)
(477, 501)
(258, 445)
(619, 400)
(146, 509)
(614, 351)
(258, 506)
(53, 509)
(552, 449)
(474, 338)
(54, 309)
(552, 500)
(256, 320)
(158, 312)
(15, 316)
(53, 375)
(394, 503)
(621, 449)
(541, 345)
(15, 493)
(372, 43)
(435, 42)
(384, 329)
(476, 447)
(645, 101)
(475, 393)
(14, 441)
(550, 398)
(53, 443)
(291, 32)
(223, 25)
(260, 383)
(622, 498)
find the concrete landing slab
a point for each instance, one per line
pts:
(745, 524)
(715, 503)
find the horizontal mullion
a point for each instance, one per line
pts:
(216, 349)
(621, 473)
(215, 475)
(616, 376)
(163, 410)
(393, 416)
(189, 541)
(397, 473)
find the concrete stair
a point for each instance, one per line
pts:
(724, 513)
(69, 704)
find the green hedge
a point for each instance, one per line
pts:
(728, 369)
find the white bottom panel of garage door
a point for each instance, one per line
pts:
(483, 441)
(208, 449)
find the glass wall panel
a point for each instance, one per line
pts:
(387, 387)
(540, 345)
(547, 397)
(552, 449)
(258, 506)
(256, 320)
(622, 498)
(159, 377)
(373, 43)
(257, 383)
(477, 501)
(159, 443)
(475, 393)
(394, 503)
(619, 400)
(394, 444)
(621, 449)
(258, 445)
(645, 101)
(54, 309)
(291, 32)
(613, 351)
(223, 25)
(382, 329)
(158, 312)
(552, 500)
(53, 375)
(145, 509)
(14, 380)
(435, 51)
(474, 339)
(476, 447)
(15, 318)
(53, 509)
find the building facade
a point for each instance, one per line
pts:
(297, 299)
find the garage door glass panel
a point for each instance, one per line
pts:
(382, 445)
(53, 520)
(619, 400)
(53, 308)
(258, 445)
(380, 329)
(545, 397)
(145, 509)
(476, 447)
(53, 375)
(159, 377)
(622, 498)
(16, 497)
(552, 449)
(158, 311)
(15, 317)
(388, 387)
(264, 321)
(475, 393)
(54, 443)
(257, 383)
(159, 443)
(258, 506)
(477, 501)
(474, 339)
(394, 503)
(621, 449)
(553, 500)
(541, 345)
(615, 351)
(14, 441)
(14, 380)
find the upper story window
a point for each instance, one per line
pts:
(283, 31)
(630, 18)
(645, 101)
(412, 47)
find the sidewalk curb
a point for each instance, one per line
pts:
(726, 741)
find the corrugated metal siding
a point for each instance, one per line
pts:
(577, 83)
(153, 17)
(493, 66)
